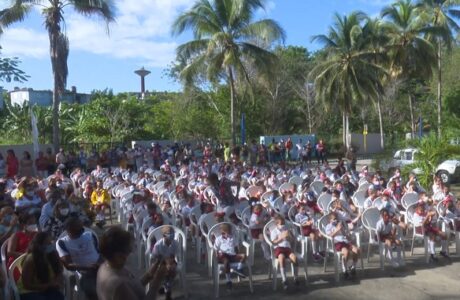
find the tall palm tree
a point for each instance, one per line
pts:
(412, 55)
(441, 14)
(53, 13)
(376, 40)
(350, 72)
(226, 43)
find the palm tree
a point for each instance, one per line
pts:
(376, 40)
(412, 55)
(350, 71)
(226, 43)
(441, 14)
(53, 13)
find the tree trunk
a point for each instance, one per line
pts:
(412, 121)
(379, 109)
(347, 130)
(309, 111)
(439, 90)
(232, 104)
(344, 128)
(56, 91)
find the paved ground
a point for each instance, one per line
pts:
(417, 280)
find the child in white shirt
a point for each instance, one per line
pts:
(337, 230)
(427, 220)
(386, 230)
(307, 229)
(259, 218)
(226, 245)
(281, 238)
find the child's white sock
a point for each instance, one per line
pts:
(389, 252)
(228, 277)
(296, 271)
(283, 274)
(239, 266)
(431, 247)
(344, 266)
(314, 247)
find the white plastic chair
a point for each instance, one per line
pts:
(7, 287)
(301, 257)
(364, 186)
(359, 197)
(330, 248)
(317, 187)
(370, 217)
(418, 231)
(17, 264)
(297, 180)
(446, 222)
(324, 201)
(179, 236)
(207, 222)
(213, 233)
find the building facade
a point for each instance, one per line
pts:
(45, 98)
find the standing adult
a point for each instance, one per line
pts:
(12, 164)
(288, 145)
(51, 161)
(321, 151)
(26, 165)
(41, 164)
(61, 159)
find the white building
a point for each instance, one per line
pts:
(45, 98)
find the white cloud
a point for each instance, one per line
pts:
(141, 31)
(24, 42)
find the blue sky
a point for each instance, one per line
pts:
(141, 37)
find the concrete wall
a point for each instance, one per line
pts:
(372, 143)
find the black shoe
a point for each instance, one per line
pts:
(168, 295)
(285, 285)
(162, 290)
(353, 271)
(346, 275)
(444, 254)
(229, 285)
(240, 273)
(433, 258)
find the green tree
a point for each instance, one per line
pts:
(226, 41)
(441, 14)
(53, 13)
(412, 55)
(350, 71)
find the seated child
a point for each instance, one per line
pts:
(386, 230)
(306, 224)
(226, 246)
(259, 218)
(427, 220)
(281, 238)
(166, 249)
(338, 231)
